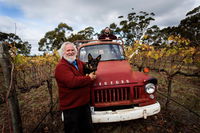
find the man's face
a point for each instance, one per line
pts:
(107, 31)
(70, 53)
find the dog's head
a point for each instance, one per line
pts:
(93, 63)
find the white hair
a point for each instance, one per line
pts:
(62, 48)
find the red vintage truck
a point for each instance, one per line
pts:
(119, 93)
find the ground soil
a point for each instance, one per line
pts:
(35, 106)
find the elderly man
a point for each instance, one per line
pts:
(74, 90)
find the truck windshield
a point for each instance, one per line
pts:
(107, 52)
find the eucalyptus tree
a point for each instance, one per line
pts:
(188, 28)
(53, 39)
(85, 34)
(88, 33)
(23, 47)
(133, 27)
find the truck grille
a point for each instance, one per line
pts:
(112, 95)
(137, 90)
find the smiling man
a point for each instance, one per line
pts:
(74, 90)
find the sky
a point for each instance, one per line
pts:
(31, 19)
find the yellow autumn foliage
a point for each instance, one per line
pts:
(22, 62)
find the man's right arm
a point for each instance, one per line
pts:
(67, 78)
(101, 37)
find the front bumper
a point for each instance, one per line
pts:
(125, 114)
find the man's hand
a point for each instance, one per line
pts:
(92, 75)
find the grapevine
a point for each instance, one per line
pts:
(172, 60)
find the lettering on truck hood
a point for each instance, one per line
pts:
(117, 72)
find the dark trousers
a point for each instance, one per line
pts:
(78, 120)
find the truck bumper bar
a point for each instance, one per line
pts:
(125, 114)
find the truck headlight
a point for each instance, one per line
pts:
(150, 88)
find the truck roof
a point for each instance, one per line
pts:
(82, 43)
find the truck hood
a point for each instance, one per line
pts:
(116, 73)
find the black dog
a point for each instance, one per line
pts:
(92, 64)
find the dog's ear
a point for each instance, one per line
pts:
(90, 57)
(99, 58)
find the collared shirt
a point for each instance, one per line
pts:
(75, 64)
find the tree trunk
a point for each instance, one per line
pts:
(12, 97)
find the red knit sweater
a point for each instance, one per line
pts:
(74, 86)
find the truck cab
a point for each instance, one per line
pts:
(119, 93)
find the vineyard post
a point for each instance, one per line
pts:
(50, 86)
(169, 91)
(11, 98)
